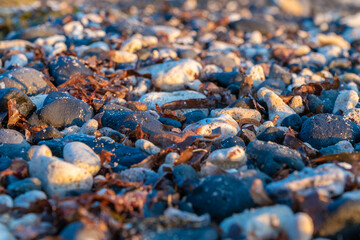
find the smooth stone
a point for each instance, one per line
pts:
(80, 230)
(257, 75)
(249, 25)
(353, 115)
(89, 127)
(26, 199)
(227, 125)
(275, 85)
(228, 158)
(294, 121)
(279, 72)
(24, 185)
(6, 201)
(63, 67)
(46, 134)
(323, 130)
(194, 116)
(340, 147)
(137, 174)
(147, 146)
(172, 76)
(326, 179)
(231, 142)
(347, 99)
(273, 134)
(65, 112)
(5, 233)
(221, 60)
(82, 156)
(58, 177)
(268, 223)
(16, 60)
(270, 157)
(170, 122)
(28, 80)
(5, 162)
(276, 106)
(314, 102)
(224, 79)
(185, 177)
(131, 119)
(160, 98)
(238, 113)
(39, 31)
(221, 196)
(13, 144)
(23, 103)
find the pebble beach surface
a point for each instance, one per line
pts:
(179, 119)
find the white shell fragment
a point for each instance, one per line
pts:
(82, 156)
(228, 158)
(228, 127)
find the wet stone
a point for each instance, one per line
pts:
(323, 130)
(28, 80)
(269, 157)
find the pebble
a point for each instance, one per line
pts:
(26, 199)
(82, 156)
(297, 104)
(273, 134)
(269, 222)
(185, 177)
(227, 158)
(269, 157)
(221, 196)
(279, 72)
(340, 147)
(147, 146)
(327, 179)
(137, 174)
(23, 103)
(333, 39)
(294, 121)
(16, 60)
(79, 230)
(347, 99)
(123, 57)
(160, 98)
(57, 176)
(5, 234)
(13, 144)
(323, 130)
(46, 134)
(6, 200)
(237, 113)
(89, 127)
(227, 125)
(28, 80)
(24, 186)
(276, 106)
(173, 75)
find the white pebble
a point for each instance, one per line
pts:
(228, 158)
(147, 146)
(347, 99)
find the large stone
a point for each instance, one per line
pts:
(23, 102)
(323, 130)
(28, 80)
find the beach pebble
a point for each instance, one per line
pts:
(23, 103)
(26, 199)
(173, 75)
(16, 60)
(82, 156)
(238, 113)
(160, 98)
(123, 56)
(227, 158)
(276, 106)
(269, 157)
(137, 174)
(24, 185)
(268, 222)
(171, 32)
(327, 179)
(5, 234)
(28, 80)
(347, 99)
(6, 201)
(89, 127)
(323, 130)
(147, 146)
(333, 39)
(257, 75)
(227, 125)
(279, 72)
(46, 134)
(13, 144)
(342, 146)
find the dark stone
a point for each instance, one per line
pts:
(247, 135)
(46, 134)
(225, 79)
(185, 234)
(231, 142)
(170, 122)
(329, 97)
(221, 196)
(314, 103)
(270, 157)
(130, 119)
(55, 96)
(185, 177)
(243, 102)
(276, 85)
(343, 219)
(294, 121)
(279, 72)
(194, 116)
(250, 25)
(28, 80)
(13, 144)
(123, 155)
(111, 133)
(24, 185)
(63, 67)
(323, 130)
(65, 112)
(272, 134)
(80, 231)
(23, 102)
(5, 162)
